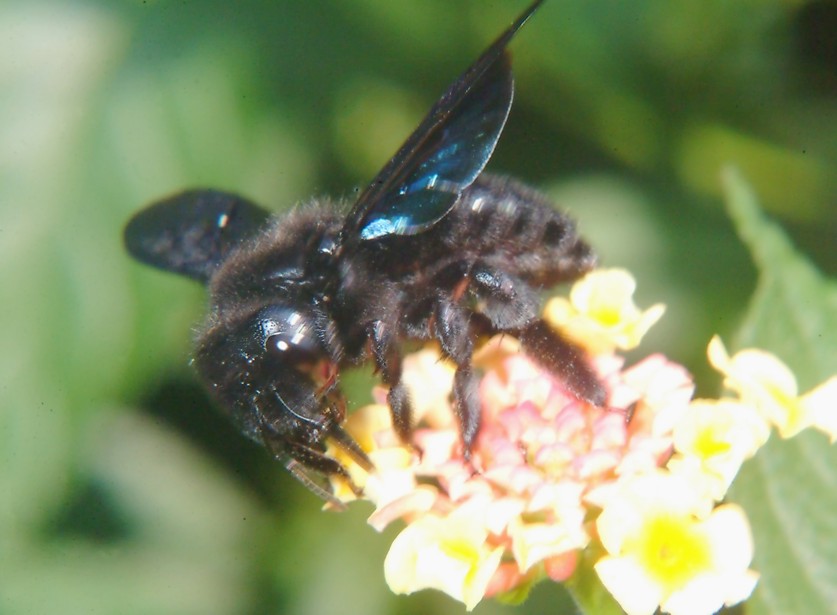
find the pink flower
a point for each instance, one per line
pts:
(547, 472)
(543, 460)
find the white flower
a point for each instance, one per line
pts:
(716, 437)
(761, 379)
(668, 548)
(448, 553)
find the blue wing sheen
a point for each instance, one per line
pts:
(445, 154)
(451, 165)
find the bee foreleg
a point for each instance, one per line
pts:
(302, 461)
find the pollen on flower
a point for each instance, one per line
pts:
(600, 313)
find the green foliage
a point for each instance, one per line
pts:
(122, 490)
(790, 489)
(586, 588)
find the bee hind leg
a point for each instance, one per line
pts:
(507, 301)
(563, 358)
(510, 305)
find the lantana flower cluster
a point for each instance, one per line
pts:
(640, 480)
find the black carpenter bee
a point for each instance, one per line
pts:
(431, 250)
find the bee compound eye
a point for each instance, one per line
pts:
(288, 333)
(292, 349)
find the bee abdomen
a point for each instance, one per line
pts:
(519, 230)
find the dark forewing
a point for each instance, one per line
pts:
(191, 233)
(445, 154)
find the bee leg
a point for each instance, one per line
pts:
(511, 306)
(466, 395)
(453, 330)
(563, 358)
(506, 300)
(388, 360)
(349, 445)
(302, 461)
(301, 473)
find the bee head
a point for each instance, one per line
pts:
(271, 372)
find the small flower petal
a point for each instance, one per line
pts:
(429, 379)
(719, 435)
(761, 379)
(533, 543)
(752, 369)
(631, 587)
(820, 405)
(446, 553)
(561, 567)
(665, 389)
(600, 313)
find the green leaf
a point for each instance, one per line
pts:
(587, 590)
(790, 489)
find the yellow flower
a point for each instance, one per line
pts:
(448, 553)
(761, 379)
(601, 314)
(668, 548)
(371, 426)
(716, 437)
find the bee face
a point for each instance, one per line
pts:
(433, 249)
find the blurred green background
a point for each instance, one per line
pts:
(122, 490)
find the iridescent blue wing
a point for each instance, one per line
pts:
(445, 154)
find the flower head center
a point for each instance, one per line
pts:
(712, 440)
(673, 550)
(460, 549)
(607, 314)
(789, 404)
